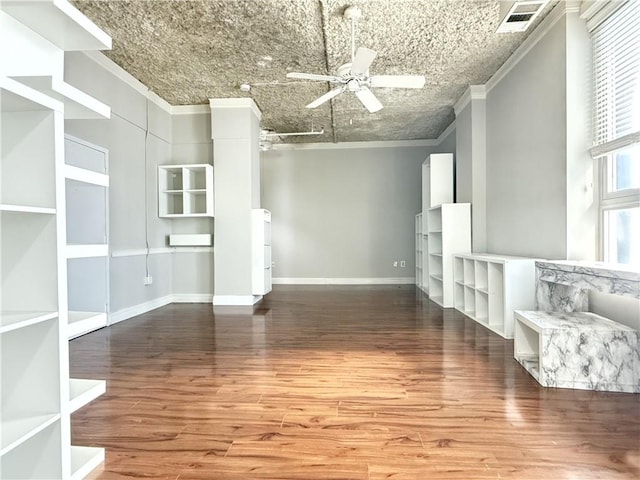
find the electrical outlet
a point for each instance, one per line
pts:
(148, 280)
(395, 264)
(403, 264)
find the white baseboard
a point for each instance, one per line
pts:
(344, 281)
(236, 300)
(191, 298)
(129, 312)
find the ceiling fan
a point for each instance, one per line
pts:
(354, 77)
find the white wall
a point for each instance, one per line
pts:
(343, 213)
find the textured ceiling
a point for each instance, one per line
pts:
(189, 51)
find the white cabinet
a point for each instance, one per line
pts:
(261, 251)
(87, 200)
(437, 180)
(449, 233)
(185, 191)
(488, 288)
(418, 240)
(36, 394)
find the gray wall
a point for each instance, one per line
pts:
(526, 154)
(191, 143)
(132, 213)
(343, 213)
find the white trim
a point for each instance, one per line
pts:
(136, 252)
(129, 312)
(558, 12)
(613, 145)
(347, 145)
(598, 11)
(446, 132)
(192, 298)
(236, 103)
(344, 281)
(120, 73)
(190, 109)
(474, 92)
(236, 300)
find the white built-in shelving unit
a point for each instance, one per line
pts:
(37, 396)
(185, 191)
(87, 200)
(419, 252)
(261, 251)
(488, 288)
(437, 188)
(449, 233)
(437, 181)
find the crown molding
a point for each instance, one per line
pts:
(236, 103)
(190, 109)
(557, 13)
(348, 145)
(474, 92)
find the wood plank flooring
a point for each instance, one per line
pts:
(323, 382)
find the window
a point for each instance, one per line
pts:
(616, 50)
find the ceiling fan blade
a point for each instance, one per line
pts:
(398, 81)
(362, 60)
(369, 100)
(313, 76)
(326, 97)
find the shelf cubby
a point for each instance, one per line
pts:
(481, 276)
(469, 301)
(28, 262)
(82, 391)
(500, 285)
(482, 305)
(30, 396)
(185, 190)
(37, 455)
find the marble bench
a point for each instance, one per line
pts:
(579, 350)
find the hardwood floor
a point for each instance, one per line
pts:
(337, 383)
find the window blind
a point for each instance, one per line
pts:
(616, 54)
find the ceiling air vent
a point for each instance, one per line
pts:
(517, 16)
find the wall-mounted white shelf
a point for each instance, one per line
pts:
(59, 22)
(77, 104)
(185, 191)
(87, 251)
(15, 320)
(449, 233)
(17, 430)
(85, 322)
(190, 240)
(83, 391)
(84, 460)
(488, 288)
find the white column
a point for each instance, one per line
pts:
(235, 129)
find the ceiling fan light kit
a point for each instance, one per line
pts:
(354, 77)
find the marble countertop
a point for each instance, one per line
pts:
(571, 320)
(600, 269)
